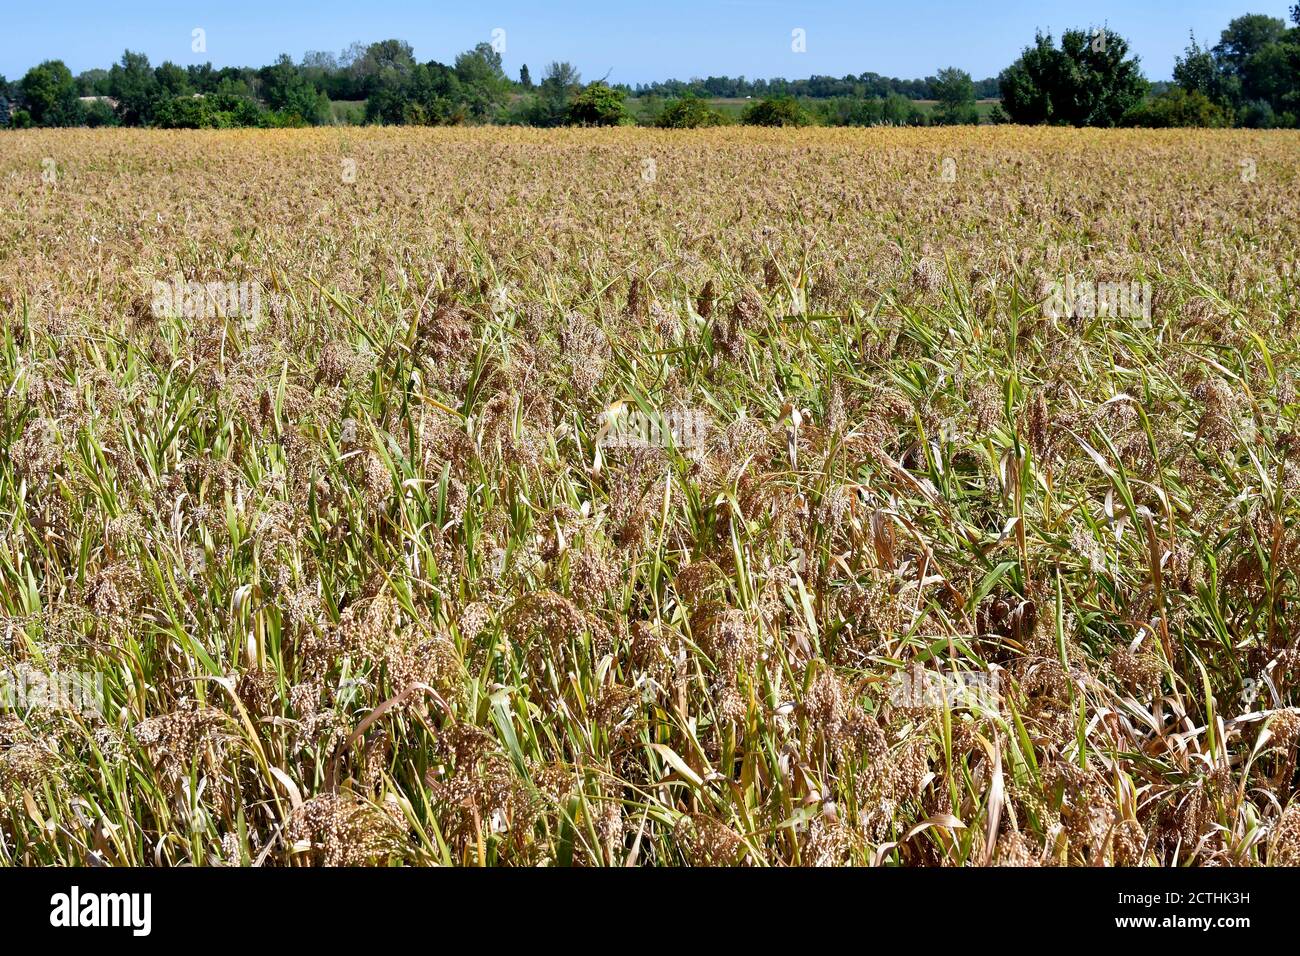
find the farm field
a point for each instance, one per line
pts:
(903, 497)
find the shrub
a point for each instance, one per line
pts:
(689, 112)
(211, 111)
(599, 105)
(1258, 114)
(99, 113)
(1177, 107)
(778, 111)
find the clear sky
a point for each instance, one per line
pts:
(632, 42)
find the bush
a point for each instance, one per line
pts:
(1177, 107)
(347, 112)
(689, 112)
(211, 111)
(779, 111)
(282, 119)
(99, 113)
(1258, 114)
(898, 110)
(599, 105)
(894, 110)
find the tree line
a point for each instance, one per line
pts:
(1251, 77)
(863, 86)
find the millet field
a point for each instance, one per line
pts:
(892, 497)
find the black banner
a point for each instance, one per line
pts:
(951, 907)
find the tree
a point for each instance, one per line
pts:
(484, 86)
(1245, 36)
(172, 79)
(1089, 81)
(228, 106)
(388, 98)
(955, 91)
(435, 96)
(92, 83)
(898, 110)
(775, 111)
(525, 78)
(550, 107)
(599, 105)
(1197, 71)
(49, 94)
(288, 92)
(1253, 72)
(322, 60)
(133, 84)
(388, 63)
(98, 113)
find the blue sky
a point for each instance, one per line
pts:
(632, 42)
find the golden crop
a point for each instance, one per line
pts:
(601, 497)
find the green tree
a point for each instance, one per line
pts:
(98, 113)
(525, 78)
(288, 92)
(133, 84)
(1197, 71)
(955, 91)
(49, 95)
(92, 82)
(484, 86)
(384, 57)
(172, 80)
(1245, 36)
(550, 107)
(1089, 81)
(435, 96)
(898, 110)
